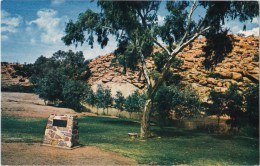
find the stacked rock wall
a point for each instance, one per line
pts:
(241, 66)
(61, 131)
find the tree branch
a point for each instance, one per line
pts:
(160, 45)
(146, 76)
(189, 22)
(171, 58)
(179, 48)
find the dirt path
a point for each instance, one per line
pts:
(35, 154)
(29, 105)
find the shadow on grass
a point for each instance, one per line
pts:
(120, 122)
(177, 132)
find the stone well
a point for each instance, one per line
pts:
(61, 131)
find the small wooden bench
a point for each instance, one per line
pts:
(132, 135)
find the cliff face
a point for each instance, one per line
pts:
(240, 66)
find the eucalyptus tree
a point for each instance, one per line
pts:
(135, 25)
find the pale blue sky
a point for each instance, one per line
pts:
(31, 28)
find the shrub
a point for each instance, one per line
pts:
(218, 107)
(252, 105)
(50, 87)
(189, 105)
(229, 103)
(135, 102)
(17, 88)
(108, 100)
(100, 97)
(119, 100)
(185, 103)
(73, 93)
(103, 97)
(234, 107)
(90, 97)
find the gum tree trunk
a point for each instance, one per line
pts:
(145, 123)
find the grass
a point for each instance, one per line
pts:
(22, 129)
(171, 146)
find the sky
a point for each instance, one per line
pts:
(31, 28)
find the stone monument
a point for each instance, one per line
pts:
(62, 131)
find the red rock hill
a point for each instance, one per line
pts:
(241, 66)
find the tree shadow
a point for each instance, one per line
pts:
(177, 132)
(120, 122)
(217, 48)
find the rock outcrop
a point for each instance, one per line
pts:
(9, 75)
(241, 66)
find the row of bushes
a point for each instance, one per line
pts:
(103, 99)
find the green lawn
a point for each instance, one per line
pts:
(174, 146)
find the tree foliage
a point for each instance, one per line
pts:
(135, 102)
(119, 100)
(73, 93)
(50, 87)
(252, 105)
(90, 97)
(57, 78)
(229, 103)
(218, 107)
(103, 97)
(183, 103)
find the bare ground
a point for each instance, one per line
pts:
(35, 154)
(29, 105)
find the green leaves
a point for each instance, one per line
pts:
(185, 103)
(103, 97)
(252, 105)
(73, 93)
(55, 77)
(119, 100)
(135, 102)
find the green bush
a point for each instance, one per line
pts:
(90, 97)
(50, 87)
(56, 78)
(135, 102)
(252, 105)
(103, 97)
(234, 107)
(184, 103)
(218, 107)
(229, 103)
(119, 100)
(73, 93)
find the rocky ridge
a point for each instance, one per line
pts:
(240, 67)
(10, 77)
